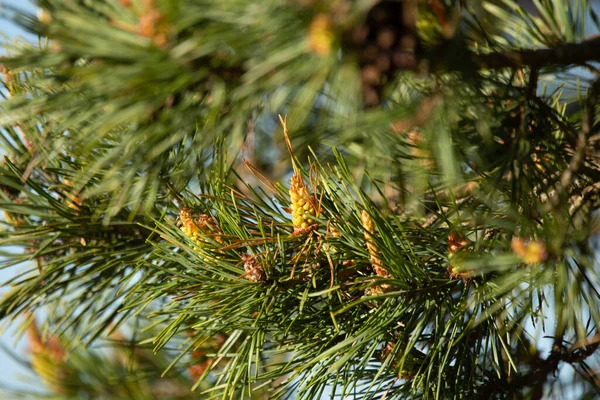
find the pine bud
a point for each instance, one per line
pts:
(320, 36)
(376, 262)
(253, 268)
(518, 246)
(303, 205)
(333, 231)
(48, 360)
(531, 252)
(197, 226)
(44, 16)
(152, 24)
(369, 228)
(456, 243)
(9, 80)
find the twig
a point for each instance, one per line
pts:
(565, 54)
(532, 84)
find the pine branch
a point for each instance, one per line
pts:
(541, 368)
(122, 142)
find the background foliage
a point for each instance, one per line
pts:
(437, 239)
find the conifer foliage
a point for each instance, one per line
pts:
(304, 199)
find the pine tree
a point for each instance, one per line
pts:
(304, 199)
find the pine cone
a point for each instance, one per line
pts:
(253, 268)
(385, 43)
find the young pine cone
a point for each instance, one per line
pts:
(254, 270)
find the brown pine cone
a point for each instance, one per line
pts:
(385, 43)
